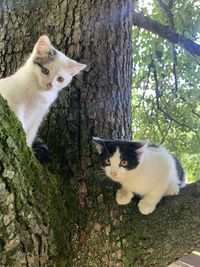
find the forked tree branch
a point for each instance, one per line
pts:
(165, 32)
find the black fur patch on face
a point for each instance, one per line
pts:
(49, 57)
(127, 151)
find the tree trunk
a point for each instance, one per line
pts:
(46, 219)
(99, 102)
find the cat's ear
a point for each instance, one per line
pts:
(43, 47)
(98, 143)
(74, 67)
(142, 146)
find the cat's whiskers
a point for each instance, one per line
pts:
(100, 175)
(101, 178)
(63, 97)
(99, 172)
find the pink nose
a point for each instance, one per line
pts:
(113, 173)
(49, 86)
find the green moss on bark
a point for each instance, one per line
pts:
(41, 206)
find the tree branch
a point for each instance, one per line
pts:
(188, 104)
(165, 32)
(167, 10)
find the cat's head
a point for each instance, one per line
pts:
(53, 69)
(118, 157)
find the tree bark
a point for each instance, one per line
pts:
(33, 204)
(99, 102)
(46, 219)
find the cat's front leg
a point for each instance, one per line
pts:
(19, 111)
(123, 196)
(148, 203)
(31, 133)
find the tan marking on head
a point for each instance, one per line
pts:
(43, 46)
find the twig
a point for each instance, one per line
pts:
(192, 110)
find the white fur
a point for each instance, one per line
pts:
(155, 176)
(26, 91)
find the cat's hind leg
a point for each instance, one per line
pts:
(173, 189)
(148, 203)
(123, 196)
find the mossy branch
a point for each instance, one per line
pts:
(33, 203)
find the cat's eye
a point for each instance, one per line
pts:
(45, 70)
(60, 79)
(107, 161)
(124, 163)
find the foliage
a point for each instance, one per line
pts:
(166, 81)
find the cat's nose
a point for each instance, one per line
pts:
(113, 173)
(49, 85)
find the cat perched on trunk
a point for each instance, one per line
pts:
(35, 86)
(142, 169)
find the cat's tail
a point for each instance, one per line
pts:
(180, 173)
(181, 184)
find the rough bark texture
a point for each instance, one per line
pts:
(46, 220)
(33, 204)
(98, 103)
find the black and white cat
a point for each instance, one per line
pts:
(142, 169)
(35, 86)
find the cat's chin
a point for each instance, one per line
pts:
(50, 90)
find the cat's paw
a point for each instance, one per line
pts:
(123, 198)
(173, 190)
(145, 208)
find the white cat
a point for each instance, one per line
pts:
(142, 169)
(35, 86)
